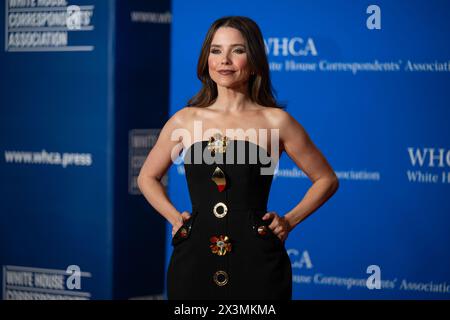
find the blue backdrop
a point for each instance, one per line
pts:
(375, 103)
(80, 108)
(77, 119)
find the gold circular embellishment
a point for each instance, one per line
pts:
(224, 208)
(221, 278)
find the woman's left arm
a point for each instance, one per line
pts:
(299, 147)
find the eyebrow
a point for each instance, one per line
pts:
(232, 45)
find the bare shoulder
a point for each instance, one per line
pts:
(183, 124)
(182, 116)
(278, 118)
(187, 115)
(290, 130)
(176, 126)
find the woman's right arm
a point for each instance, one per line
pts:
(156, 165)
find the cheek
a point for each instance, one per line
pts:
(212, 63)
(241, 62)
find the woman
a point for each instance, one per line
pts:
(229, 246)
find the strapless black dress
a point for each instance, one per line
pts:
(225, 250)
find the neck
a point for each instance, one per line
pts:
(232, 99)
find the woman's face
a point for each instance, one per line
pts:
(227, 59)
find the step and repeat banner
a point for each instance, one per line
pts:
(369, 82)
(82, 99)
(84, 90)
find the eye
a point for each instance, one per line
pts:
(215, 51)
(239, 51)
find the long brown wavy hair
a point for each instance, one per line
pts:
(260, 88)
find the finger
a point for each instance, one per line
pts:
(186, 215)
(268, 215)
(278, 229)
(275, 222)
(279, 236)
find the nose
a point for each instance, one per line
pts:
(225, 59)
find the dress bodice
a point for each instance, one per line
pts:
(225, 250)
(247, 169)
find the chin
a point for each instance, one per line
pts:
(224, 83)
(229, 85)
